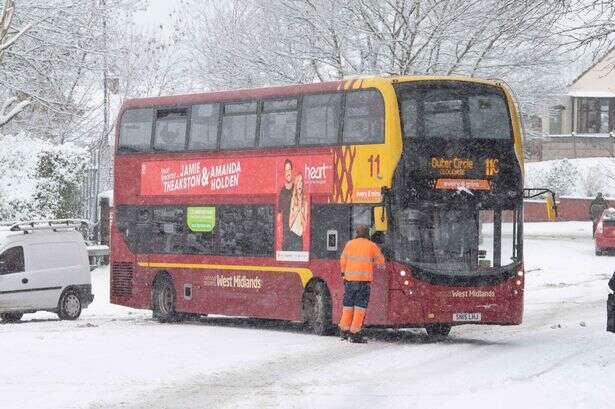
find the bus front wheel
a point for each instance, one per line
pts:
(164, 300)
(317, 309)
(438, 330)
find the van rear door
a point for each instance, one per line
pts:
(53, 266)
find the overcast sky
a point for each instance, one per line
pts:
(156, 14)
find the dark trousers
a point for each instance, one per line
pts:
(356, 294)
(610, 313)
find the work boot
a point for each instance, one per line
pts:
(344, 335)
(358, 339)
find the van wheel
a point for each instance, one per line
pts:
(438, 330)
(164, 301)
(69, 307)
(317, 309)
(9, 317)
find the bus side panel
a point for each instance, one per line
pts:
(329, 272)
(127, 282)
(250, 290)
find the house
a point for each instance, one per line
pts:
(583, 124)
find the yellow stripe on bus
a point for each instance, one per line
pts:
(305, 274)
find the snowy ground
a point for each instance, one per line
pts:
(560, 357)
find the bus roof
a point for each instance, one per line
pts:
(288, 90)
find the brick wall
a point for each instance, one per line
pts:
(568, 209)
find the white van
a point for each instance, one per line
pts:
(44, 266)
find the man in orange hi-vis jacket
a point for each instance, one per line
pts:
(357, 263)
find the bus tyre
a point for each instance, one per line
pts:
(317, 309)
(69, 306)
(164, 301)
(9, 317)
(438, 330)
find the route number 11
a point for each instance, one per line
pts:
(374, 166)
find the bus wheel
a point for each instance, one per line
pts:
(164, 299)
(317, 309)
(438, 330)
(9, 317)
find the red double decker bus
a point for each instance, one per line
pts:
(239, 203)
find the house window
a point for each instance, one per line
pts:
(588, 119)
(555, 120)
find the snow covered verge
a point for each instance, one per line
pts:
(582, 177)
(39, 179)
(116, 357)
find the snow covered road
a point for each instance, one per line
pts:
(115, 357)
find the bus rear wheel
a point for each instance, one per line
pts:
(438, 330)
(164, 300)
(317, 309)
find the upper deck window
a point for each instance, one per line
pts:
(453, 110)
(364, 117)
(238, 125)
(278, 125)
(171, 125)
(204, 127)
(320, 119)
(136, 130)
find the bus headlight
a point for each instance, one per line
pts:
(406, 282)
(518, 282)
(402, 273)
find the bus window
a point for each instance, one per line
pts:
(204, 127)
(168, 230)
(482, 110)
(409, 116)
(245, 230)
(278, 125)
(443, 115)
(361, 214)
(238, 125)
(136, 130)
(171, 125)
(363, 117)
(448, 110)
(320, 119)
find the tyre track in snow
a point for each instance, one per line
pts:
(258, 383)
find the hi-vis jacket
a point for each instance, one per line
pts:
(358, 259)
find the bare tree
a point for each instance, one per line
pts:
(589, 24)
(11, 106)
(257, 42)
(57, 65)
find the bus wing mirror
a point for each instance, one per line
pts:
(380, 218)
(551, 205)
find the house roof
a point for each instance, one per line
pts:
(592, 66)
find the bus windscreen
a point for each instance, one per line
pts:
(457, 241)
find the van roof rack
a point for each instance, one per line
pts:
(54, 225)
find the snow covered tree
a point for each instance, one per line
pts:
(593, 181)
(252, 42)
(60, 172)
(10, 107)
(562, 177)
(57, 65)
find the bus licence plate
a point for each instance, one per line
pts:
(467, 316)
